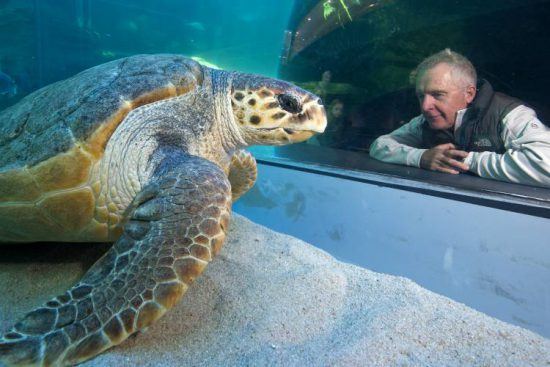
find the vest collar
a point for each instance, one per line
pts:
(481, 102)
(459, 117)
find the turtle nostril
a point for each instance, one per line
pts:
(289, 103)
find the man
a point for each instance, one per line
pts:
(463, 128)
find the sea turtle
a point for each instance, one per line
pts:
(144, 151)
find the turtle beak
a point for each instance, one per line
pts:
(310, 121)
(299, 136)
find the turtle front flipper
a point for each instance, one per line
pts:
(242, 173)
(177, 223)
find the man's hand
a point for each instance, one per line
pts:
(444, 158)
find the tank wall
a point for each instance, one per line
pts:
(492, 260)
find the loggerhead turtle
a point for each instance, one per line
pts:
(145, 152)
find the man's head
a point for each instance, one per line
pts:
(445, 84)
(336, 108)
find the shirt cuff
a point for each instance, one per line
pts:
(469, 160)
(414, 156)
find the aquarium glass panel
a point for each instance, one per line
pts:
(357, 55)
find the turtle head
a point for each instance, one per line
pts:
(273, 112)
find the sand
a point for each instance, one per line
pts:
(272, 300)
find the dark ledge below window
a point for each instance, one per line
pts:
(358, 166)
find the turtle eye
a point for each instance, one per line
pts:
(289, 103)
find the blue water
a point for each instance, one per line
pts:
(43, 41)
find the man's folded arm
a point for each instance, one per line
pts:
(400, 146)
(527, 156)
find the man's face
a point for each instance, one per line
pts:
(440, 96)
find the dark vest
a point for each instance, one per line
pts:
(481, 126)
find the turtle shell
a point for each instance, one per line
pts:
(52, 138)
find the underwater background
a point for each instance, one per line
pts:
(43, 41)
(356, 54)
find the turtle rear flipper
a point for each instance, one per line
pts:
(176, 225)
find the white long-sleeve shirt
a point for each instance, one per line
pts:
(526, 139)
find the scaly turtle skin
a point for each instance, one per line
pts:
(146, 152)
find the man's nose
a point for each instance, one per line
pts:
(426, 103)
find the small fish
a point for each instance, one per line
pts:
(108, 54)
(8, 87)
(198, 26)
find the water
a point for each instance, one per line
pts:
(368, 47)
(46, 41)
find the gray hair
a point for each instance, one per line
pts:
(462, 70)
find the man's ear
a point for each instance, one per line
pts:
(470, 93)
